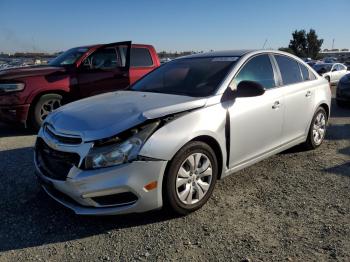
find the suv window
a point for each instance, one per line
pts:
(140, 57)
(257, 69)
(106, 58)
(289, 69)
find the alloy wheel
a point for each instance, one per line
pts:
(194, 178)
(48, 107)
(319, 128)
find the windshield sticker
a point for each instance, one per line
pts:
(225, 59)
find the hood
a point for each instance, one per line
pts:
(20, 72)
(109, 114)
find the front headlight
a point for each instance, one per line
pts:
(11, 87)
(120, 153)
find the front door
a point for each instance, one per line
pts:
(105, 70)
(255, 122)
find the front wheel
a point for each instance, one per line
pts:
(191, 178)
(43, 107)
(317, 129)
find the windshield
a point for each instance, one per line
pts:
(197, 77)
(69, 57)
(322, 68)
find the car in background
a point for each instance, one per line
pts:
(343, 91)
(331, 71)
(29, 94)
(168, 138)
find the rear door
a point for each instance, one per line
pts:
(256, 122)
(299, 93)
(105, 70)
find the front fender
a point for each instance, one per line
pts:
(167, 141)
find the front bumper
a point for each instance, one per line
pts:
(14, 114)
(79, 191)
(106, 191)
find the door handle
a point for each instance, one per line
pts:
(308, 94)
(276, 105)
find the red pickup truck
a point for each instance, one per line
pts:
(29, 94)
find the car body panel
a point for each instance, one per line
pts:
(116, 112)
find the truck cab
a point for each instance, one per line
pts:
(29, 94)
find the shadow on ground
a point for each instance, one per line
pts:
(14, 130)
(30, 218)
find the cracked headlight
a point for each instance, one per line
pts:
(11, 87)
(119, 153)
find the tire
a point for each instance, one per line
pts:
(45, 105)
(317, 130)
(193, 181)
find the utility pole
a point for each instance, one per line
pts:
(333, 44)
(264, 43)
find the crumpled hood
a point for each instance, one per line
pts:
(20, 72)
(108, 114)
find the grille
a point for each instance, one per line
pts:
(55, 164)
(64, 139)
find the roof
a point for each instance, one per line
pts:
(222, 53)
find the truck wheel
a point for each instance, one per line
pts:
(43, 107)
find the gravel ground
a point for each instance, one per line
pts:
(294, 206)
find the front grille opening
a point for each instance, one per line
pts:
(125, 198)
(55, 164)
(71, 140)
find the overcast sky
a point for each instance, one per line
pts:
(169, 25)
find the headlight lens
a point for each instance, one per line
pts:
(120, 153)
(11, 87)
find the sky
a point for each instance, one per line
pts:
(184, 25)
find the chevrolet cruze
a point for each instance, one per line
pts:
(169, 137)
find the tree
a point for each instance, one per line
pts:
(298, 43)
(313, 44)
(286, 49)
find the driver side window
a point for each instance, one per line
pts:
(258, 69)
(106, 58)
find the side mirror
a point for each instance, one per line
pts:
(249, 89)
(334, 69)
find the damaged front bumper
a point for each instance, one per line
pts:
(106, 191)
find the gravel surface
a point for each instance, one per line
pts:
(294, 206)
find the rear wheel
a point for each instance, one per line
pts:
(317, 129)
(43, 107)
(191, 178)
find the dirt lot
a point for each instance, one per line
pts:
(294, 206)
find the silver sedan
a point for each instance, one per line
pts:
(167, 139)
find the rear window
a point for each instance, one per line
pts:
(307, 74)
(289, 69)
(140, 57)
